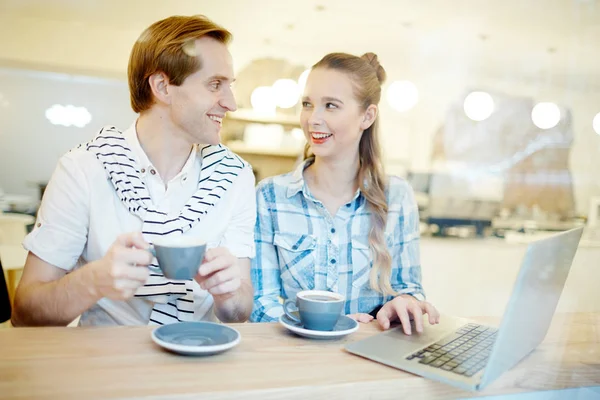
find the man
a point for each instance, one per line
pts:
(166, 175)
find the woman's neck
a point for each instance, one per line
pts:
(334, 177)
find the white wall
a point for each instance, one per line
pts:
(29, 144)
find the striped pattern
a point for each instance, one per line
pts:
(174, 300)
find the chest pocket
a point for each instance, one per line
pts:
(362, 260)
(296, 259)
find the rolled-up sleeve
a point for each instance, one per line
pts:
(265, 271)
(60, 233)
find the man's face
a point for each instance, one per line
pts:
(199, 104)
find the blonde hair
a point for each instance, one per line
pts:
(368, 75)
(165, 47)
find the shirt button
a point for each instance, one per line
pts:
(333, 261)
(143, 170)
(39, 224)
(348, 205)
(295, 247)
(332, 230)
(153, 172)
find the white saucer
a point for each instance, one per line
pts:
(343, 327)
(196, 338)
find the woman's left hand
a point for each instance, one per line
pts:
(403, 308)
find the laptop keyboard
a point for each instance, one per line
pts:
(464, 352)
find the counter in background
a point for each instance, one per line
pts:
(467, 277)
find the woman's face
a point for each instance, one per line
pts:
(332, 119)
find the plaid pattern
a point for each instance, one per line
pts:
(299, 246)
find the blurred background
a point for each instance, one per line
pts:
(491, 108)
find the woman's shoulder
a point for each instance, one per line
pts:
(398, 184)
(398, 189)
(278, 185)
(283, 181)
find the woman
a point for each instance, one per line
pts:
(337, 222)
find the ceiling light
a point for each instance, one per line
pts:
(545, 115)
(402, 95)
(302, 80)
(479, 106)
(286, 93)
(68, 115)
(263, 100)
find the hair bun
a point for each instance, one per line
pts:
(371, 58)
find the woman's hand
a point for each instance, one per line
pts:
(361, 317)
(404, 308)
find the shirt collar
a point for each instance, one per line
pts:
(297, 183)
(130, 135)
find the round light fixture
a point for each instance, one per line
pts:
(596, 123)
(263, 100)
(402, 95)
(286, 93)
(545, 115)
(479, 106)
(302, 80)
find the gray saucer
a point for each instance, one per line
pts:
(343, 327)
(196, 338)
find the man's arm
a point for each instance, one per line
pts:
(47, 295)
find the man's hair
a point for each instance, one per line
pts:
(167, 46)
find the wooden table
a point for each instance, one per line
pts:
(269, 363)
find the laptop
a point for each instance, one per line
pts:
(468, 355)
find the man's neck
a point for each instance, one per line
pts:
(164, 144)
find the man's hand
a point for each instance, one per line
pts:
(220, 273)
(404, 308)
(123, 269)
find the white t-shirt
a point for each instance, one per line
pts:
(81, 216)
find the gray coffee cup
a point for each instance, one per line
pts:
(179, 257)
(319, 310)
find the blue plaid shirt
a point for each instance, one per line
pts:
(300, 246)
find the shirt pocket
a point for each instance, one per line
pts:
(296, 254)
(362, 261)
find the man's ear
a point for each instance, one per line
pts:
(159, 84)
(369, 117)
